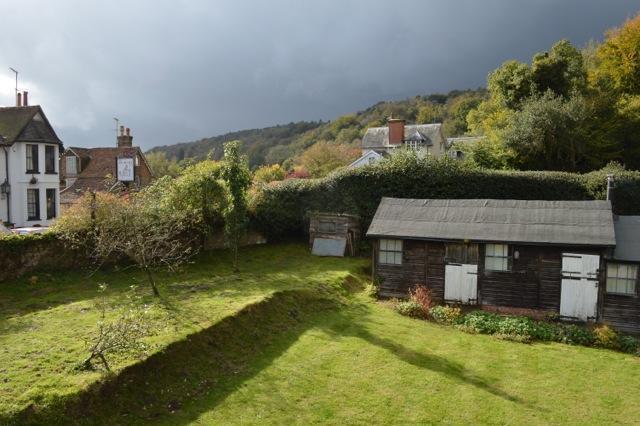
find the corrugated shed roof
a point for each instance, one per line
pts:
(378, 137)
(523, 221)
(627, 230)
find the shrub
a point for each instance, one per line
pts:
(480, 322)
(628, 344)
(410, 308)
(279, 210)
(446, 314)
(422, 295)
(520, 327)
(576, 335)
(605, 337)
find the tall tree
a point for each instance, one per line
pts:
(235, 172)
(618, 59)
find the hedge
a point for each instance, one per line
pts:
(281, 209)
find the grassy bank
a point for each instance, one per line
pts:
(44, 323)
(284, 342)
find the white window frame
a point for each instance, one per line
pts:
(390, 252)
(621, 278)
(496, 257)
(414, 145)
(72, 159)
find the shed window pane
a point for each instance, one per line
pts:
(621, 278)
(327, 226)
(496, 257)
(390, 252)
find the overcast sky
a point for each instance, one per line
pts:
(177, 71)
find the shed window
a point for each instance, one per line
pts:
(390, 252)
(621, 278)
(496, 257)
(327, 226)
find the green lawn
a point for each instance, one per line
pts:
(43, 326)
(281, 343)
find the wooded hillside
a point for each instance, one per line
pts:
(285, 144)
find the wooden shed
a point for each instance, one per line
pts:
(547, 256)
(333, 234)
(620, 301)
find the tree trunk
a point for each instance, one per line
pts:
(235, 256)
(152, 282)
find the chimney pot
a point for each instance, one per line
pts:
(18, 99)
(128, 131)
(396, 131)
(121, 130)
(25, 102)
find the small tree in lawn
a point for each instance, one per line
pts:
(123, 334)
(237, 176)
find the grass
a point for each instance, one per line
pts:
(280, 343)
(44, 325)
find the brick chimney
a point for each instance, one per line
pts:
(396, 131)
(125, 139)
(25, 102)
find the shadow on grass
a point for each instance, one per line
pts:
(194, 375)
(204, 367)
(351, 327)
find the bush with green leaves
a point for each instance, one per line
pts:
(629, 344)
(446, 314)
(281, 209)
(410, 308)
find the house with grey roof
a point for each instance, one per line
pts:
(379, 142)
(574, 259)
(29, 175)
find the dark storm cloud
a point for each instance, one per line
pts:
(181, 70)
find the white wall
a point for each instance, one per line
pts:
(20, 182)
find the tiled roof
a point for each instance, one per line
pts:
(17, 123)
(101, 164)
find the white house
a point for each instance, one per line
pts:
(380, 141)
(29, 175)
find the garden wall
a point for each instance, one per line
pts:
(281, 208)
(22, 255)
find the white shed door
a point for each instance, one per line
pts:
(461, 283)
(579, 293)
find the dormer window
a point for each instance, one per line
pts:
(72, 165)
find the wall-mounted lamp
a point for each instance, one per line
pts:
(33, 180)
(5, 188)
(516, 254)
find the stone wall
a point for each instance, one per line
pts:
(32, 256)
